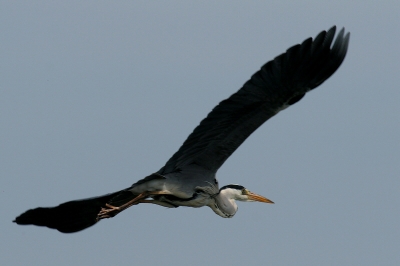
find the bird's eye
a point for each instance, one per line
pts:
(245, 191)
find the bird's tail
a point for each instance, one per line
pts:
(72, 216)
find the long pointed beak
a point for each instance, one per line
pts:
(256, 197)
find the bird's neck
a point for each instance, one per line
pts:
(224, 205)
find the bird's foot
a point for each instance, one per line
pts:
(108, 211)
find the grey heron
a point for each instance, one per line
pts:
(189, 176)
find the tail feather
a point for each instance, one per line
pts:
(72, 216)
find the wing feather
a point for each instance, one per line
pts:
(278, 84)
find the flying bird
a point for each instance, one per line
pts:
(189, 176)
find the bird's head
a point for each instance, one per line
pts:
(225, 204)
(238, 192)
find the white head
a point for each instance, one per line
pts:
(225, 205)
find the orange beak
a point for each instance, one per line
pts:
(256, 197)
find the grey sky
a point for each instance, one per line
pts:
(97, 94)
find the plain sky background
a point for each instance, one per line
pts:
(98, 94)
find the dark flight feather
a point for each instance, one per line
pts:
(278, 84)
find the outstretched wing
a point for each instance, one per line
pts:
(277, 85)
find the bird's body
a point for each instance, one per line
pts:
(189, 176)
(187, 187)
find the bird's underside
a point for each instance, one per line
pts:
(187, 178)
